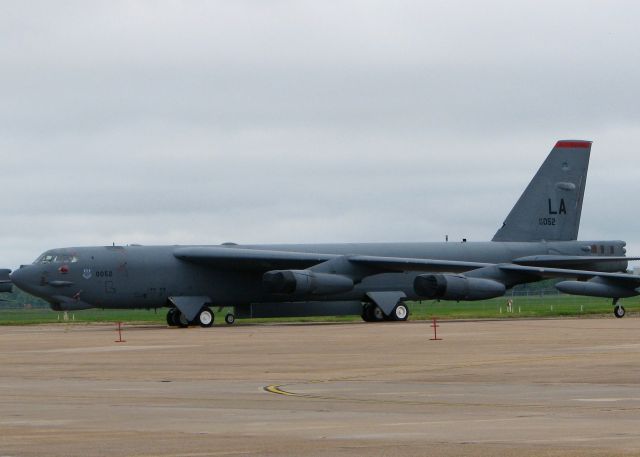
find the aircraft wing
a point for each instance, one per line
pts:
(263, 260)
(398, 264)
(249, 259)
(567, 261)
(360, 266)
(314, 273)
(543, 272)
(546, 266)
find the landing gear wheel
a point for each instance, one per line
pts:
(175, 317)
(619, 311)
(367, 312)
(230, 318)
(400, 312)
(205, 317)
(378, 314)
(171, 317)
(180, 319)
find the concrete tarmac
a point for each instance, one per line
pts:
(509, 387)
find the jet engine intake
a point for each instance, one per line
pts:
(456, 287)
(305, 282)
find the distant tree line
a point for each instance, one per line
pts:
(20, 299)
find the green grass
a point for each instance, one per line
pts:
(531, 306)
(523, 306)
(47, 316)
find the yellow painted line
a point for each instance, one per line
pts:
(277, 390)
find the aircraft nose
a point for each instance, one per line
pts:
(14, 276)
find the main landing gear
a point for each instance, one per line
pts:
(373, 313)
(204, 318)
(618, 310)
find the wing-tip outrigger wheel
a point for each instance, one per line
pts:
(618, 310)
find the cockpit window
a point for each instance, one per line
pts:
(49, 257)
(44, 258)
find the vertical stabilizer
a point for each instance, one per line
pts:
(551, 205)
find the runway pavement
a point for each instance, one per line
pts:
(508, 387)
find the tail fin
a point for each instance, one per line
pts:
(550, 207)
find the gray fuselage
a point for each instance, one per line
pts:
(146, 276)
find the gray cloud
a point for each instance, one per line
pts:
(203, 122)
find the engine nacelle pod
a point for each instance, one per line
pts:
(595, 288)
(456, 287)
(305, 282)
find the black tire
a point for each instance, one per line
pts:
(170, 317)
(400, 312)
(378, 314)
(180, 319)
(367, 311)
(619, 311)
(175, 317)
(205, 317)
(230, 318)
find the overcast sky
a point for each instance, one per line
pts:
(176, 122)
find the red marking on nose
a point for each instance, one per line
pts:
(63, 269)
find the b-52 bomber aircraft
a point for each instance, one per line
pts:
(374, 280)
